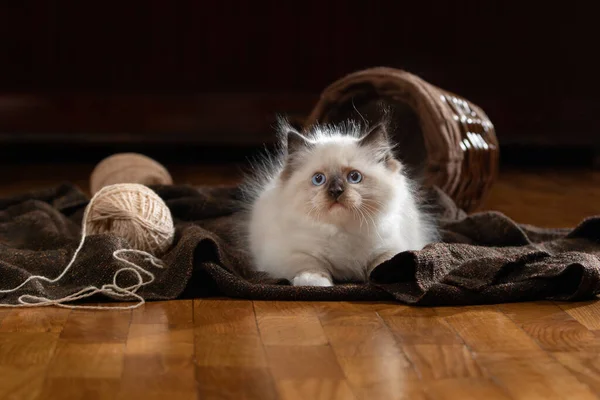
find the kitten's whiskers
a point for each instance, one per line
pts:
(370, 212)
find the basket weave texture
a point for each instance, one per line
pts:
(460, 143)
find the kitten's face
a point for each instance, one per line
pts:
(341, 180)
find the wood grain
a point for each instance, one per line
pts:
(301, 330)
(551, 327)
(230, 351)
(307, 372)
(102, 360)
(229, 354)
(23, 382)
(587, 313)
(423, 328)
(486, 329)
(3, 313)
(583, 365)
(443, 361)
(73, 388)
(177, 312)
(381, 377)
(557, 199)
(34, 320)
(159, 358)
(92, 326)
(534, 376)
(303, 362)
(27, 349)
(224, 317)
(236, 382)
(317, 388)
(360, 335)
(466, 389)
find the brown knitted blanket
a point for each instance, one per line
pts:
(485, 257)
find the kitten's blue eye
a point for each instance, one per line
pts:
(318, 179)
(354, 177)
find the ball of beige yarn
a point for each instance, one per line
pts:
(134, 212)
(128, 168)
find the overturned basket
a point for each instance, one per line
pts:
(454, 136)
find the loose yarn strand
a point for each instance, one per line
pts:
(112, 289)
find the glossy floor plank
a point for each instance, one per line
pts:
(238, 349)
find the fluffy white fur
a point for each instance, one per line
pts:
(301, 232)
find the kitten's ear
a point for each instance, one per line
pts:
(292, 140)
(377, 136)
(295, 141)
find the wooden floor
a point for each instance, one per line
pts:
(236, 349)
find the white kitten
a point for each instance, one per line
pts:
(333, 204)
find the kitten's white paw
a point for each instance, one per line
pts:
(311, 279)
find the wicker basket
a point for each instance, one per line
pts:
(454, 136)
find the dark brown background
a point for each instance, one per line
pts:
(215, 73)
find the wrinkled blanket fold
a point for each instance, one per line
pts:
(484, 257)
